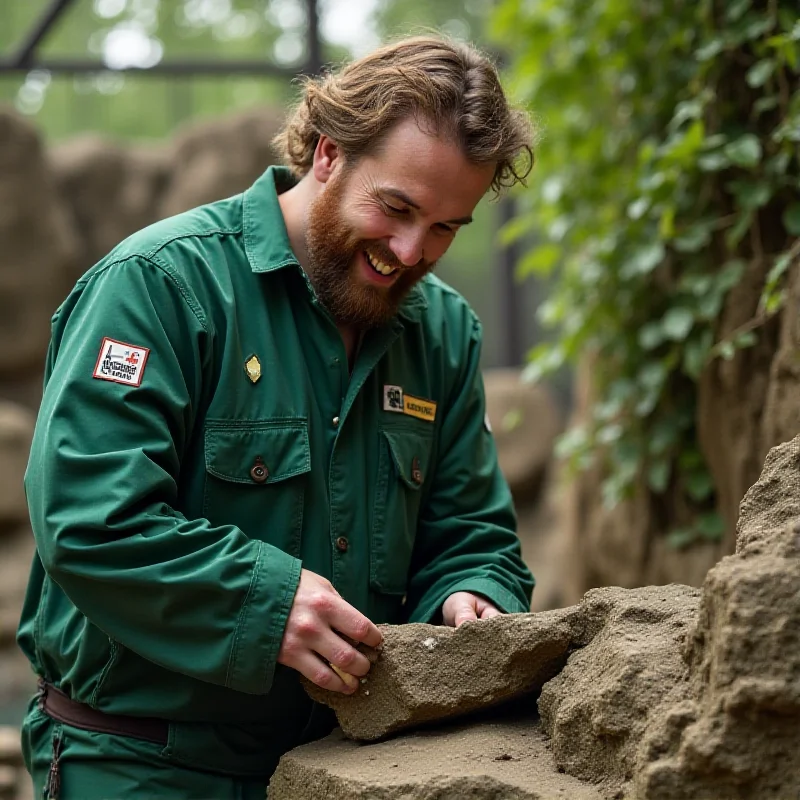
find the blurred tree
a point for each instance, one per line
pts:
(671, 163)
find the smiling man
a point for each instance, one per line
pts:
(262, 432)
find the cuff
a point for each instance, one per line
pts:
(262, 620)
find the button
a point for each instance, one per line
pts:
(335, 421)
(259, 472)
(342, 544)
(416, 472)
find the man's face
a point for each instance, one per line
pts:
(379, 225)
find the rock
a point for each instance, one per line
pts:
(525, 423)
(16, 431)
(38, 249)
(428, 672)
(214, 160)
(735, 734)
(111, 190)
(9, 782)
(498, 760)
(596, 709)
(10, 746)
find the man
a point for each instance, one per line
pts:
(262, 432)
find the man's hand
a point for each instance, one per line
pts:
(461, 606)
(312, 640)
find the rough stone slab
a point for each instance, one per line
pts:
(597, 708)
(736, 732)
(429, 672)
(497, 760)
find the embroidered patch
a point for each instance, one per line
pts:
(252, 368)
(419, 408)
(393, 399)
(120, 363)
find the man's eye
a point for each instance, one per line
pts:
(395, 210)
(445, 228)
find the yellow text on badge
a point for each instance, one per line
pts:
(422, 409)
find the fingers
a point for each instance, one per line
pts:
(489, 612)
(464, 613)
(353, 624)
(322, 674)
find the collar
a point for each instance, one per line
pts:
(266, 240)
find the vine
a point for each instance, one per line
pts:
(670, 168)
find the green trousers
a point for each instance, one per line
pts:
(68, 763)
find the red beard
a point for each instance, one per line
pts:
(332, 249)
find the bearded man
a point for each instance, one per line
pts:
(263, 431)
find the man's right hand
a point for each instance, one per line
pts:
(312, 640)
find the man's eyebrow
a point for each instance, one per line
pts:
(404, 198)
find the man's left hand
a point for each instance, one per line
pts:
(461, 606)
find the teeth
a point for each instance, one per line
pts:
(379, 266)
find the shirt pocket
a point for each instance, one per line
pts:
(403, 465)
(256, 473)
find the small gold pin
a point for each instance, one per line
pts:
(252, 368)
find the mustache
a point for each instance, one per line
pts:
(384, 254)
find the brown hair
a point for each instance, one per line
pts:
(447, 85)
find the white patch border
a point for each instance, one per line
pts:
(386, 404)
(108, 340)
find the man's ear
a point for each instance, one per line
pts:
(326, 158)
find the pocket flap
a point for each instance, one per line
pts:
(411, 455)
(233, 448)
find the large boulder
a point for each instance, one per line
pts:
(734, 732)
(525, 422)
(110, 189)
(39, 249)
(16, 431)
(217, 159)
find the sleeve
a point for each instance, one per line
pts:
(466, 538)
(102, 487)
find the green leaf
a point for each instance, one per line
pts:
(694, 239)
(699, 485)
(765, 104)
(744, 151)
(677, 323)
(512, 419)
(743, 223)
(760, 73)
(791, 219)
(650, 336)
(644, 260)
(736, 9)
(711, 526)
(679, 538)
(709, 50)
(744, 340)
(713, 162)
(658, 476)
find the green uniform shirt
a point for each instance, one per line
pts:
(174, 492)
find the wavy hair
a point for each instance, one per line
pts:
(448, 87)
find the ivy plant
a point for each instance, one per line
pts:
(669, 165)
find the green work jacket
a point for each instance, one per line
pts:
(201, 437)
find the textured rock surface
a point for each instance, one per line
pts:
(16, 430)
(37, 245)
(430, 672)
(735, 733)
(110, 189)
(597, 708)
(525, 423)
(217, 159)
(498, 760)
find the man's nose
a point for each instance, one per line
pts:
(408, 247)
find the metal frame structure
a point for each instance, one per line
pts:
(26, 59)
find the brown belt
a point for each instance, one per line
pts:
(58, 706)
